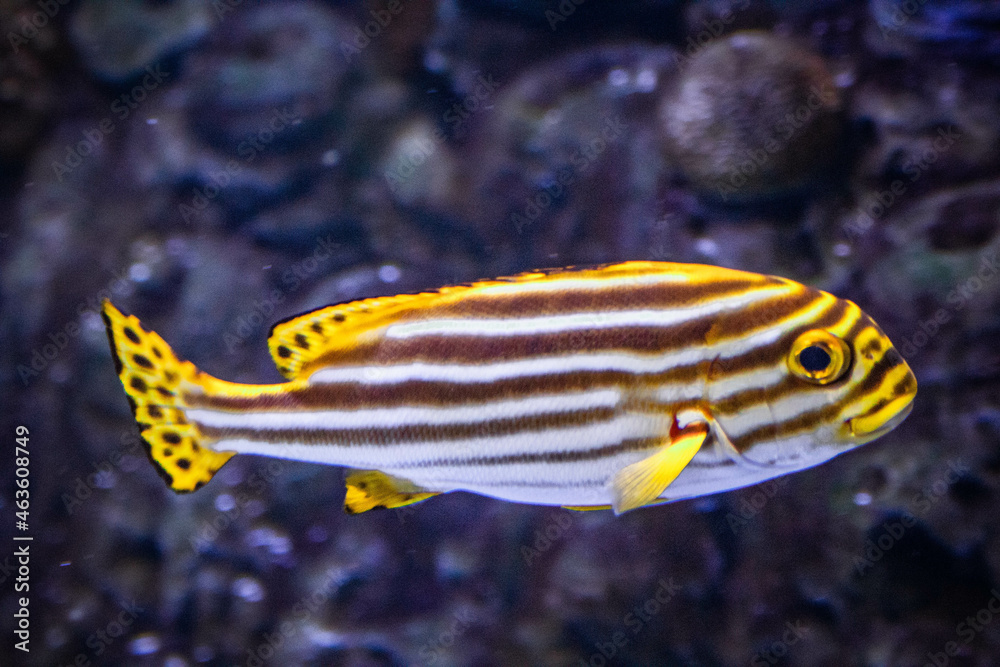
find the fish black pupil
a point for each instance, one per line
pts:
(814, 359)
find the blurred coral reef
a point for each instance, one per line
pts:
(216, 167)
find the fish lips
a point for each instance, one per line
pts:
(865, 428)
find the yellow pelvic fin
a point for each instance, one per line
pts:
(371, 489)
(154, 380)
(642, 483)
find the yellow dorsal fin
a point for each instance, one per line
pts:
(155, 382)
(371, 489)
(296, 342)
(642, 482)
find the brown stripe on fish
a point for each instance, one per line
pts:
(570, 456)
(568, 293)
(470, 349)
(481, 350)
(412, 433)
(423, 393)
(766, 313)
(873, 382)
(600, 297)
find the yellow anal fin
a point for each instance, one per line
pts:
(372, 489)
(642, 482)
(154, 380)
(594, 508)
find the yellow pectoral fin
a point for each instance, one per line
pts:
(371, 489)
(641, 483)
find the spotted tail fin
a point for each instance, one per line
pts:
(155, 381)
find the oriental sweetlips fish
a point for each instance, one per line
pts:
(611, 387)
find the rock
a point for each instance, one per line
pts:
(120, 38)
(752, 116)
(273, 66)
(964, 29)
(565, 165)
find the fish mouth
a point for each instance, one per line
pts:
(878, 422)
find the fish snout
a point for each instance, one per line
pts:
(888, 412)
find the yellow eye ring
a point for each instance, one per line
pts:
(819, 357)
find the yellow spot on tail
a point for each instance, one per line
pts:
(371, 489)
(641, 483)
(155, 382)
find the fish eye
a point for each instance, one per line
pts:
(819, 357)
(815, 359)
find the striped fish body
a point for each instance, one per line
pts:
(621, 386)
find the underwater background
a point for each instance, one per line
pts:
(216, 166)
